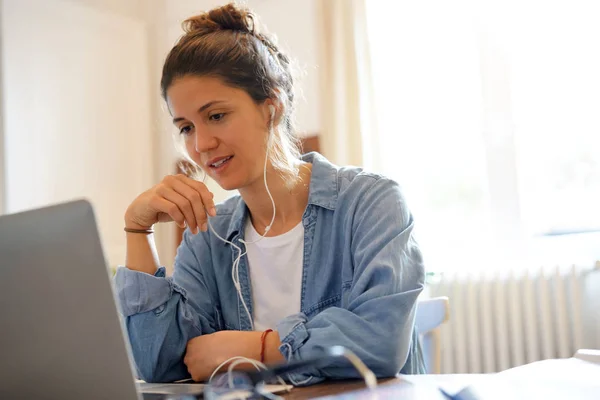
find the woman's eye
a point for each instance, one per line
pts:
(185, 130)
(216, 117)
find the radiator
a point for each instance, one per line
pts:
(506, 320)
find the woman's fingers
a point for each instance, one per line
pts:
(182, 203)
(185, 200)
(197, 200)
(177, 197)
(165, 206)
(207, 196)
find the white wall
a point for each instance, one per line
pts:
(152, 14)
(132, 9)
(77, 108)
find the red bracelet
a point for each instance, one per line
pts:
(263, 340)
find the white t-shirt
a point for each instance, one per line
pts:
(275, 265)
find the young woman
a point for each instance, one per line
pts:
(320, 255)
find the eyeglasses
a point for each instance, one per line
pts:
(260, 384)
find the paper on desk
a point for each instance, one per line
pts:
(550, 379)
(566, 370)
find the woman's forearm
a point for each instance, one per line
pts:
(141, 253)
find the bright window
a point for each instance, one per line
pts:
(488, 115)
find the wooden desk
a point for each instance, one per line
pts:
(330, 388)
(413, 387)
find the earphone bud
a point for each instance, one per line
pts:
(272, 111)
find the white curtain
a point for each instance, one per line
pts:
(349, 130)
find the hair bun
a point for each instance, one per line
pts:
(228, 17)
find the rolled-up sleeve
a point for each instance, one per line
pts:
(376, 319)
(139, 292)
(160, 316)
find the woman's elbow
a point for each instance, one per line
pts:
(148, 374)
(156, 374)
(387, 368)
(392, 359)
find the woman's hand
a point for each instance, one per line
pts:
(177, 198)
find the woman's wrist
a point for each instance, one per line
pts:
(130, 224)
(263, 339)
(272, 343)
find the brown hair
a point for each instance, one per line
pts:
(227, 43)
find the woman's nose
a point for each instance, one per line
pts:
(205, 141)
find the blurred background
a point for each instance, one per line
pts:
(486, 112)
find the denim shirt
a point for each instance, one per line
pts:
(362, 274)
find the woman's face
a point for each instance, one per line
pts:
(224, 130)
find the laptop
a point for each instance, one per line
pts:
(61, 336)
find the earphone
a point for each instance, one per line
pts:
(272, 111)
(235, 274)
(237, 360)
(330, 355)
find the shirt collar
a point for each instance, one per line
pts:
(322, 191)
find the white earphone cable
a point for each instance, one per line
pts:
(237, 361)
(235, 274)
